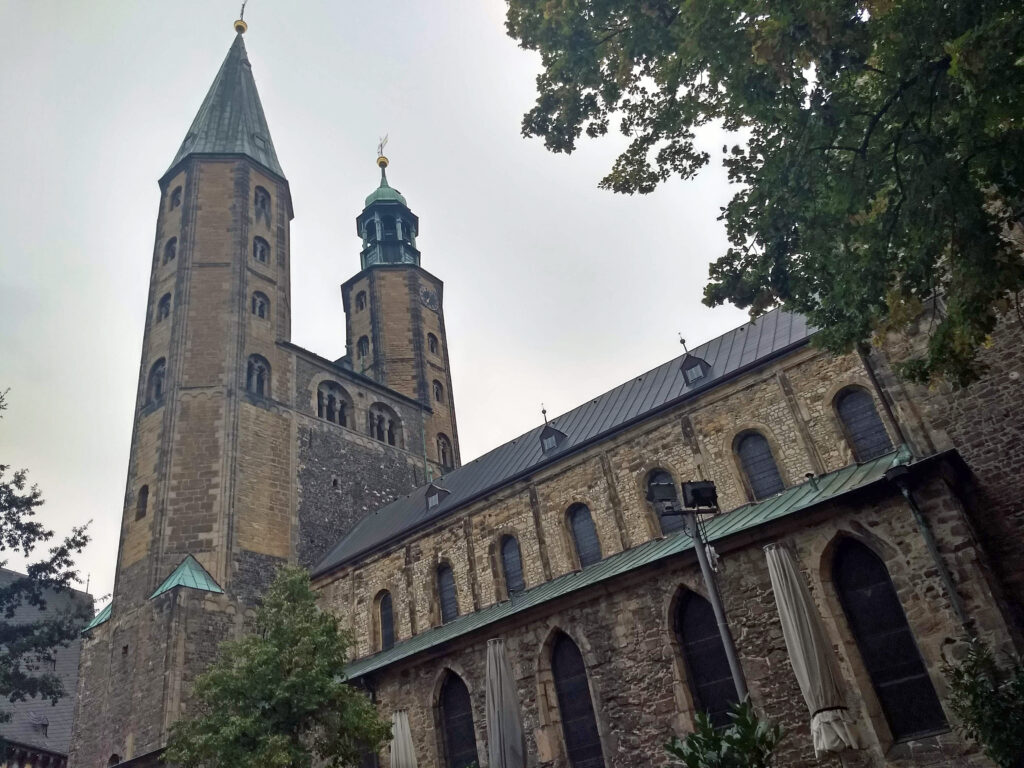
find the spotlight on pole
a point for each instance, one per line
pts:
(700, 494)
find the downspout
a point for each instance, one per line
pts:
(898, 476)
(866, 361)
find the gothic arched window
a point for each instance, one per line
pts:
(758, 464)
(261, 204)
(360, 301)
(579, 726)
(863, 427)
(333, 403)
(175, 199)
(584, 535)
(886, 644)
(512, 565)
(432, 345)
(446, 595)
(669, 522)
(170, 250)
(260, 250)
(386, 621)
(444, 452)
(163, 308)
(260, 305)
(155, 382)
(707, 667)
(257, 376)
(457, 723)
(363, 347)
(142, 502)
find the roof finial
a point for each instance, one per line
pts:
(240, 25)
(683, 342)
(544, 412)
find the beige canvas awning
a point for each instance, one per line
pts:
(403, 754)
(810, 653)
(505, 748)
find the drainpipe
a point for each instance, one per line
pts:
(866, 361)
(899, 476)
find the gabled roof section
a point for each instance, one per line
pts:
(231, 120)
(191, 574)
(750, 516)
(100, 618)
(727, 356)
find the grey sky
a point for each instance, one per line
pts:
(555, 291)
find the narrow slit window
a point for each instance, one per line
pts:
(142, 503)
(512, 565)
(386, 619)
(584, 535)
(446, 593)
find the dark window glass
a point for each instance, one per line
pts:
(862, 424)
(759, 465)
(885, 642)
(669, 522)
(432, 343)
(457, 723)
(707, 667)
(512, 564)
(170, 250)
(155, 384)
(584, 535)
(163, 309)
(257, 376)
(387, 622)
(446, 593)
(582, 742)
(142, 503)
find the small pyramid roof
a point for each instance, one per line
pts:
(100, 618)
(191, 574)
(230, 119)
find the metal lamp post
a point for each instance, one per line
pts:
(702, 495)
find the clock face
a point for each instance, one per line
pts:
(429, 299)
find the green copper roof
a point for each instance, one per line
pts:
(188, 574)
(99, 618)
(231, 120)
(385, 192)
(790, 501)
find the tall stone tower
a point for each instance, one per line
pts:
(395, 318)
(208, 502)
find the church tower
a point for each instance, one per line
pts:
(394, 313)
(208, 504)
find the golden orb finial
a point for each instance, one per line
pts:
(382, 161)
(241, 26)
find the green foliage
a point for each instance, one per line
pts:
(989, 701)
(747, 742)
(277, 697)
(27, 647)
(883, 163)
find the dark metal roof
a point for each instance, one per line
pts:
(231, 120)
(792, 500)
(727, 355)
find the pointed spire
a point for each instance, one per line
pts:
(231, 120)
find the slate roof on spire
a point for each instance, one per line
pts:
(231, 120)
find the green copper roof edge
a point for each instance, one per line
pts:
(100, 618)
(797, 498)
(190, 574)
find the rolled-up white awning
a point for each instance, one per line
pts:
(505, 746)
(403, 754)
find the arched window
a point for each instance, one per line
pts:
(446, 593)
(579, 727)
(260, 305)
(257, 376)
(163, 308)
(758, 465)
(363, 347)
(383, 424)
(360, 301)
(261, 204)
(175, 199)
(512, 565)
(155, 382)
(885, 642)
(438, 391)
(432, 344)
(114, 760)
(260, 250)
(444, 452)
(707, 667)
(584, 535)
(371, 230)
(863, 427)
(142, 502)
(170, 250)
(386, 621)
(457, 723)
(669, 522)
(333, 403)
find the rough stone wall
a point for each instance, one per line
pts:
(634, 663)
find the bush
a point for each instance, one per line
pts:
(747, 742)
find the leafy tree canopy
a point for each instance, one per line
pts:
(27, 642)
(882, 172)
(277, 697)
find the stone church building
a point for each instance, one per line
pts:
(900, 504)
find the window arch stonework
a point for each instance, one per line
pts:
(334, 404)
(260, 250)
(666, 523)
(447, 592)
(163, 308)
(583, 535)
(383, 621)
(261, 205)
(445, 454)
(566, 701)
(756, 458)
(384, 425)
(156, 384)
(257, 376)
(170, 250)
(260, 305)
(455, 720)
(709, 683)
(860, 423)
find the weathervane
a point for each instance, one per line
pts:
(381, 160)
(544, 412)
(683, 342)
(240, 25)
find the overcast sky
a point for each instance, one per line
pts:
(555, 291)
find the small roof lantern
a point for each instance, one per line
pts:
(551, 437)
(695, 370)
(435, 494)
